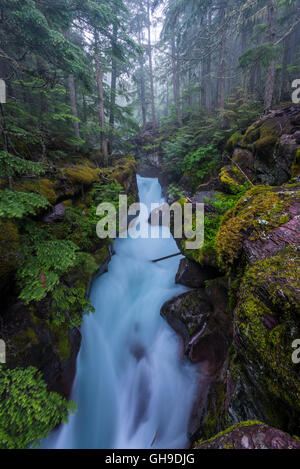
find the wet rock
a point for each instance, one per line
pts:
(269, 146)
(244, 158)
(250, 435)
(266, 323)
(265, 220)
(124, 173)
(201, 319)
(261, 238)
(192, 275)
(187, 314)
(285, 235)
(57, 214)
(30, 340)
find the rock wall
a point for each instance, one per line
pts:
(255, 255)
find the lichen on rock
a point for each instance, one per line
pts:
(259, 212)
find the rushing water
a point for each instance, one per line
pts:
(132, 388)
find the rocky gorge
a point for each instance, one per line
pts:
(241, 317)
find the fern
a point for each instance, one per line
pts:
(19, 204)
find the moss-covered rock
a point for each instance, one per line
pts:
(266, 324)
(251, 434)
(251, 135)
(202, 320)
(232, 179)
(81, 174)
(259, 212)
(257, 246)
(233, 141)
(32, 338)
(296, 165)
(44, 187)
(273, 142)
(124, 173)
(269, 133)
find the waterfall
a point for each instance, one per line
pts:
(132, 388)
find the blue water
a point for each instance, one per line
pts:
(132, 388)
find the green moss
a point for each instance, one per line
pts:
(247, 423)
(252, 134)
(270, 132)
(81, 174)
(232, 179)
(217, 416)
(263, 138)
(266, 321)
(233, 141)
(44, 187)
(60, 336)
(124, 172)
(101, 255)
(24, 340)
(9, 243)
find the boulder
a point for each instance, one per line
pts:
(250, 435)
(31, 340)
(57, 214)
(201, 319)
(260, 242)
(268, 148)
(283, 236)
(265, 380)
(265, 220)
(192, 275)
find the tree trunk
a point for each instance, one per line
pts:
(99, 79)
(73, 102)
(143, 97)
(84, 108)
(283, 84)
(142, 84)
(208, 72)
(175, 79)
(151, 66)
(270, 83)
(167, 100)
(43, 99)
(113, 89)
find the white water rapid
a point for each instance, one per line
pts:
(132, 389)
